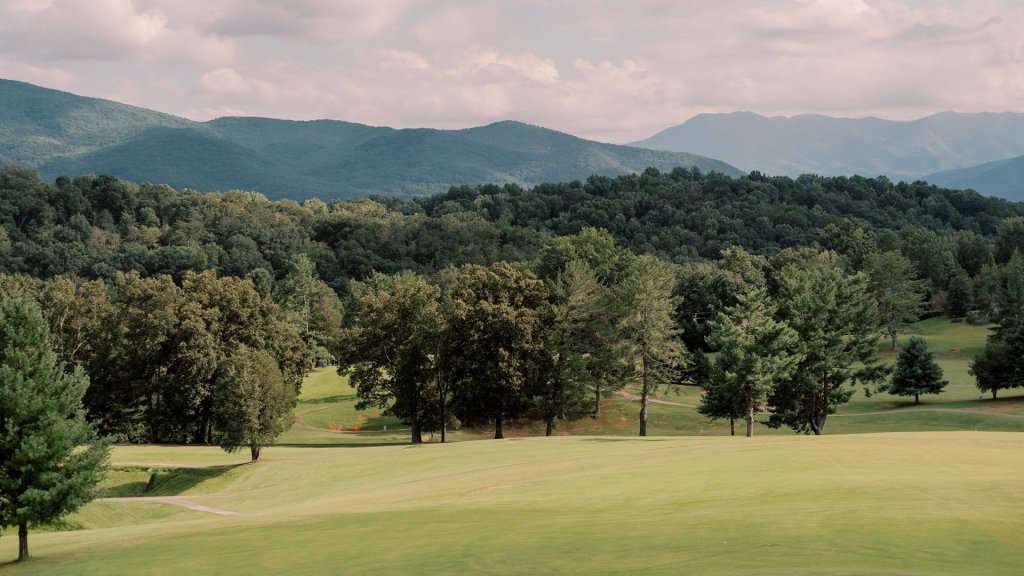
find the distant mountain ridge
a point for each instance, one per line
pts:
(901, 150)
(58, 133)
(1003, 178)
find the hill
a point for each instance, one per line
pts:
(846, 146)
(1003, 178)
(59, 133)
(591, 505)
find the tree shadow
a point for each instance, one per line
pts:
(164, 481)
(329, 399)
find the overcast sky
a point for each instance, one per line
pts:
(608, 70)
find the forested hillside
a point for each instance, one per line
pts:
(59, 133)
(93, 226)
(1004, 178)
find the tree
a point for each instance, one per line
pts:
(312, 307)
(894, 286)
(834, 320)
(916, 371)
(959, 294)
(50, 457)
(494, 340)
(1009, 239)
(649, 338)
(722, 398)
(610, 264)
(999, 366)
(576, 329)
(390, 351)
(755, 352)
(252, 402)
(707, 288)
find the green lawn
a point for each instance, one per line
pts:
(940, 491)
(918, 503)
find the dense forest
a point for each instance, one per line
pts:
(94, 226)
(492, 303)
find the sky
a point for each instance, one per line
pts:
(607, 70)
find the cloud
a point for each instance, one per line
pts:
(103, 30)
(597, 68)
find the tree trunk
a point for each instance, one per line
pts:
(23, 541)
(893, 336)
(498, 432)
(750, 414)
(549, 427)
(597, 401)
(643, 400)
(993, 393)
(417, 431)
(732, 426)
(444, 417)
(917, 400)
(255, 450)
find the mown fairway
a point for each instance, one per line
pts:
(938, 503)
(331, 499)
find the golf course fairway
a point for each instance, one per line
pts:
(894, 503)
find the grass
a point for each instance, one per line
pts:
(918, 503)
(930, 495)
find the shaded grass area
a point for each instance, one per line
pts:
(122, 482)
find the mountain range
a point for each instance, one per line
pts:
(943, 149)
(58, 133)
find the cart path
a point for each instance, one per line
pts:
(634, 397)
(174, 501)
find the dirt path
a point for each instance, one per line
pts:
(628, 396)
(299, 421)
(174, 501)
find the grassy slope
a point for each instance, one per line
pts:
(944, 503)
(366, 502)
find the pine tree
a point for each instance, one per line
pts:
(756, 352)
(650, 339)
(916, 371)
(50, 457)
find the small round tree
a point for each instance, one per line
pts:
(916, 371)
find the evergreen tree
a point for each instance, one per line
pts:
(649, 338)
(722, 397)
(893, 283)
(837, 339)
(50, 457)
(916, 371)
(575, 328)
(756, 352)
